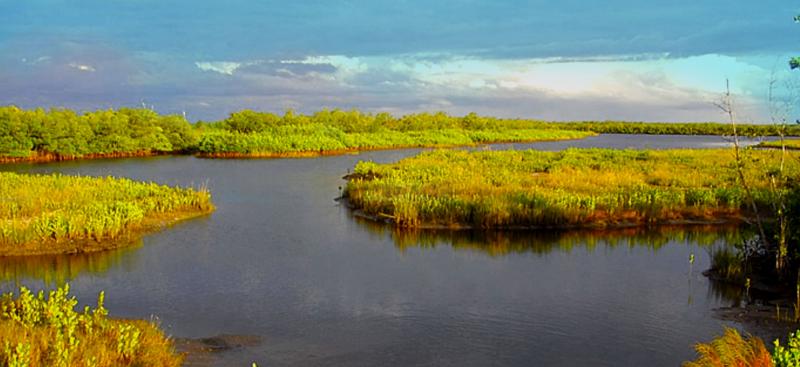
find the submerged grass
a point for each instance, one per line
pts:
(38, 330)
(573, 188)
(56, 214)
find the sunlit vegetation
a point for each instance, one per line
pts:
(788, 143)
(59, 134)
(572, 188)
(787, 355)
(56, 214)
(670, 128)
(731, 349)
(45, 330)
(254, 134)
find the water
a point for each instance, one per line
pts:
(281, 260)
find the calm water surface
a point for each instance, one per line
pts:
(280, 259)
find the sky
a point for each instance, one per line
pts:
(657, 60)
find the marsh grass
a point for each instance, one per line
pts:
(732, 349)
(793, 144)
(313, 140)
(574, 188)
(45, 330)
(56, 214)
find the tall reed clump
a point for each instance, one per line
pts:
(38, 330)
(731, 349)
(573, 188)
(56, 213)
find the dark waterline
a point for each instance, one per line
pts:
(280, 259)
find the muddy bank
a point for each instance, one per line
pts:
(211, 351)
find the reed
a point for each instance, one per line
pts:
(731, 349)
(56, 214)
(38, 330)
(573, 188)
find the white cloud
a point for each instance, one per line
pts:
(81, 67)
(222, 67)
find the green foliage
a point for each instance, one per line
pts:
(731, 349)
(576, 187)
(52, 209)
(789, 355)
(39, 330)
(788, 143)
(63, 133)
(248, 133)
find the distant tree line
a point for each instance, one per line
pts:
(63, 133)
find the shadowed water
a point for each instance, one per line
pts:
(282, 260)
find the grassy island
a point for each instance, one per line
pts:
(45, 214)
(574, 188)
(254, 134)
(38, 330)
(792, 144)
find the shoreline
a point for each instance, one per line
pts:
(89, 245)
(335, 152)
(49, 157)
(731, 220)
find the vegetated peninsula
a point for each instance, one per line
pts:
(48, 214)
(39, 330)
(792, 144)
(252, 134)
(61, 134)
(574, 188)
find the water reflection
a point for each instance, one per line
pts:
(540, 243)
(55, 270)
(500, 243)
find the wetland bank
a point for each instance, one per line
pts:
(281, 260)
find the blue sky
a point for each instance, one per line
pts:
(564, 60)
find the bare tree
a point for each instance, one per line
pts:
(726, 105)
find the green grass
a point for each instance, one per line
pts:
(59, 134)
(38, 330)
(793, 144)
(573, 188)
(55, 214)
(320, 139)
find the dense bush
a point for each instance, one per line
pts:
(38, 330)
(66, 134)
